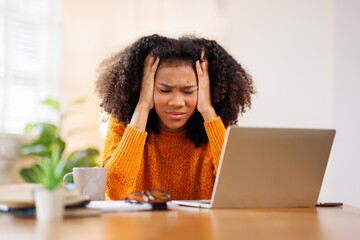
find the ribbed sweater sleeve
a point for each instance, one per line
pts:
(215, 131)
(122, 156)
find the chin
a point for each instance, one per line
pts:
(176, 127)
(173, 126)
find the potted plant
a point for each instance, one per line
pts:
(49, 138)
(49, 200)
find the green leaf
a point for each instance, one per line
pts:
(83, 158)
(52, 103)
(77, 102)
(42, 149)
(31, 175)
(33, 149)
(29, 127)
(47, 132)
(44, 144)
(51, 173)
(53, 167)
(49, 146)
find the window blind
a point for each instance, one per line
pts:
(29, 66)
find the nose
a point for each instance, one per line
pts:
(177, 100)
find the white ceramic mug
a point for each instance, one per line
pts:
(90, 181)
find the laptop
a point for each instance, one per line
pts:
(269, 167)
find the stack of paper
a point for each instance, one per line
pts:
(122, 206)
(118, 206)
(19, 200)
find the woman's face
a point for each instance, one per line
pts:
(175, 95)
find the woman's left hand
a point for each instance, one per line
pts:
(204, 105)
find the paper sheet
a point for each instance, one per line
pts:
(118, 206)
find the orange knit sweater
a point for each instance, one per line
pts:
(168, 161)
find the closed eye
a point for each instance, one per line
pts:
(189, 92)
(164, 91)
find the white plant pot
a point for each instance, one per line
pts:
(49, 204)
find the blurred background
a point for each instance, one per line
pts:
(303, 55)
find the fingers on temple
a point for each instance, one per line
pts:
(149, 60)
(154, 66)
(199, 71)
(147, 64)
(151, 63)
(155, 63)
(203, 60)
(202, 56)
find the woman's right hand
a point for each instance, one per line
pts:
(146, 98)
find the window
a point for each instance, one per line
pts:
(29, 65)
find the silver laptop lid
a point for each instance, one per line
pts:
(271, 167)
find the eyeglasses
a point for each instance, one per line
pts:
(151, 196)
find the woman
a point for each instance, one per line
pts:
(169, 101)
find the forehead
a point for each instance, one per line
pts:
(176, 74)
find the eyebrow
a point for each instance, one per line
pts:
(167, 86)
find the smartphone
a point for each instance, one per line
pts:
(329, 204)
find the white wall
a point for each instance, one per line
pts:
(344, 178)
(287, 46)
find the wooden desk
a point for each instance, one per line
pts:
(192, 223)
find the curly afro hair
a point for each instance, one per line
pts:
(119, 81)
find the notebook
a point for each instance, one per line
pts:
(269, 167)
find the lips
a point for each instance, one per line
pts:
(175, 115)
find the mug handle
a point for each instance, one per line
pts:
(68, 174)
